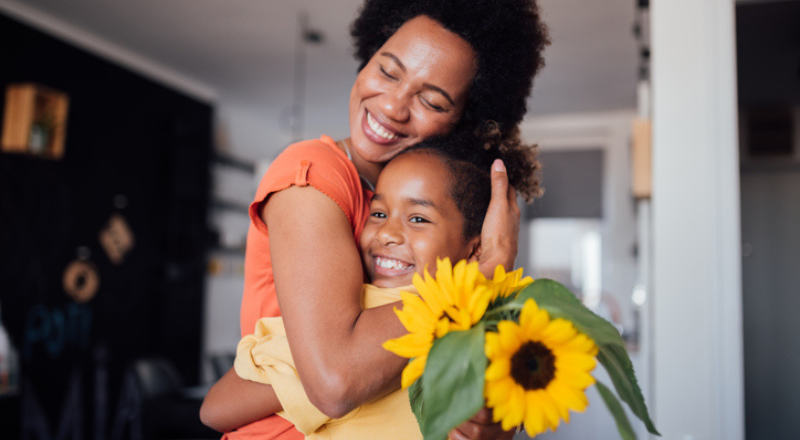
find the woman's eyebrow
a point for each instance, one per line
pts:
(426, 85)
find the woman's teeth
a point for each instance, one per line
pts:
(378, 129)
(391, 264)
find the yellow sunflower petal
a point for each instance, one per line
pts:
(575, 378)
(581, 343)
(492, 345)
(534, 416)
(534, 321)
(499, 274)
(442, 327)
(410, 345)
(575, 360)
(429, 292)
(498, 369)
(509, 336)
(549, 408)
(413, 371)
(516, 413)
(479, 302)
(572, 399)
(498, 391)
(558, 332)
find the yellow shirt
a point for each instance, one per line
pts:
(265, 357)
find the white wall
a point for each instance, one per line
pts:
(696, 255)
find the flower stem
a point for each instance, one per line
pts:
(510, 307)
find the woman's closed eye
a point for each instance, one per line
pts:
(386, 74)
(432, 106)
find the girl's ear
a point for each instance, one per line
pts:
(475, 249)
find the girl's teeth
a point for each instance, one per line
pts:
(391, 264)
(377, 128)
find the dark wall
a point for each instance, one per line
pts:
(768, 53)
(135, 148)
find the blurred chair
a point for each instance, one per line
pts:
(167, 412)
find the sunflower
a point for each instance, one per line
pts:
(538, 370)
(454, 300)
(506, 283)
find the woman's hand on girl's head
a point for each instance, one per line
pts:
(500, 233)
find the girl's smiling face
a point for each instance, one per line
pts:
(413, 220)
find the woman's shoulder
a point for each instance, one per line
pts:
(312, 159)
(322, 149)
(318, 163)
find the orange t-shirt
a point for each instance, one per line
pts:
(321, 164)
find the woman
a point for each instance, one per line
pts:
(427, 68)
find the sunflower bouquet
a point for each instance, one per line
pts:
(525, 349)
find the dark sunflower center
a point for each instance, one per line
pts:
(533, 366)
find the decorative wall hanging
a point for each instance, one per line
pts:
(116, 238)
(35, 120)
(81, 280)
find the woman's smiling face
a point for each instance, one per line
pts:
(413, 88)
(413, 220)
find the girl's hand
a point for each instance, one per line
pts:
(480, 427)
(500, 233)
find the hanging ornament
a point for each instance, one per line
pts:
(81, 280)
(116, 238)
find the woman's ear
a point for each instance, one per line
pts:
(475, 249)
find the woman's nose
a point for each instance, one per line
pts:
(396, 104)
(389, 234)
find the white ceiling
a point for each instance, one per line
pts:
(244, 49)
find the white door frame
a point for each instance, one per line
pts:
(698, 377)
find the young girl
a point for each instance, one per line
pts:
(428, 204)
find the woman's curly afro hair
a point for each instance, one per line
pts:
(508, 37)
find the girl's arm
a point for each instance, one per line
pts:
(234, 402)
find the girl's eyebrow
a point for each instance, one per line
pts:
(425, 85)
(411, 201)
(421, 202)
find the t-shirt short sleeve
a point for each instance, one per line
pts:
(317, 163)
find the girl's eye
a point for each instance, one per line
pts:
(418, 220)
(378, 215)
(386, 74)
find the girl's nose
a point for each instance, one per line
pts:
(389, 234)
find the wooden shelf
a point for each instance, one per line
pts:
(35, 121)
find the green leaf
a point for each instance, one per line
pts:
(452, 383)
(561, 303)
(616, 410)
(415, 398)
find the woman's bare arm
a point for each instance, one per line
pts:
(318, 278)
(234, 402)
